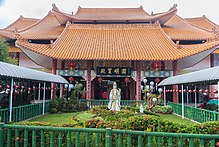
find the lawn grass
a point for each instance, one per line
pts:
(58, 118)
(175, 118)
(65, 118)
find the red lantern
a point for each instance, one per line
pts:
(126, 79)
(215, 91)
(22, 87)
(100, 80)
(177, 90)
(157, 80)
(83, 96)
(194, 90)
(156, 65)
(184, 90)
(7, 86)
(190, 91)
(71, 79)
(200, 91)
(71, 65)
(171, 90)
(206, 90)
(180, 90)
(0, 86)
(167, 90)
(16, 87)
(29, 88)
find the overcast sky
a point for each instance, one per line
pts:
(10, 10)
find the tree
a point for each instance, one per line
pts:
(4, 53)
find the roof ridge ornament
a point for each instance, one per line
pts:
(157, 23)
(141, 7)
(21, 17)
(152, 13)
(174, 6)
(203, 16)
(54, 7)
(79, 7)
(68, 23)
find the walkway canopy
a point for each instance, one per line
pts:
(13, 71)
(209, 75)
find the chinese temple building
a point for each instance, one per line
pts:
(99, 46)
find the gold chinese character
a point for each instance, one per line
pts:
(103, 71)
(109, 70)
(124, 71)
(116, 70)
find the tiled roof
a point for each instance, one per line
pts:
(179, 29)
(47, 28)
(21, 23)
(115, 42)
(121, 15)
(13, 49)
(204, 23)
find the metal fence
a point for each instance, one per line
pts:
(42, 136)
(196, 114)
(24, 112)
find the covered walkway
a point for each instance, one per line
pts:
(206, 76)
(16, 73)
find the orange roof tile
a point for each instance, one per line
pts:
(204, 23)
(115, 42)
(21, 23)
(13, 49)
(121, 15)
(47, 28)
(179, 29)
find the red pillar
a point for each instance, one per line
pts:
(88, 82)
(54, 68)
(175, 87)
(63, 68)
(138, 80)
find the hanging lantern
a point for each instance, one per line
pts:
(184, 90)
(180, 90)
(215, 91)
(7, 86)
(200, 91)
(22, 87)
(29, 88)
(194, 90)
(206, 90)
(100, 80)
(34, 88)
(174, 90)
(71, 79)
(190, 91)
(167, 90)
(177, 90)
(156, 65)
(126, 79)
(0, 86)
(157, 80)
(171, 90)
(15, 87)
(71, 65)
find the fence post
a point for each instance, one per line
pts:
(1, 135)
(108, 137)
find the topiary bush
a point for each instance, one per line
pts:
(162, 109)
(53, 110)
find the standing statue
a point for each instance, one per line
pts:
(114, 98)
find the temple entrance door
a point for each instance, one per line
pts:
(102, 90)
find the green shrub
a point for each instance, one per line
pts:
(162, 109)
(53, 110)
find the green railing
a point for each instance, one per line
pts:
(196, 114)
(92, 103)
(24, 112)
(42, 136)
